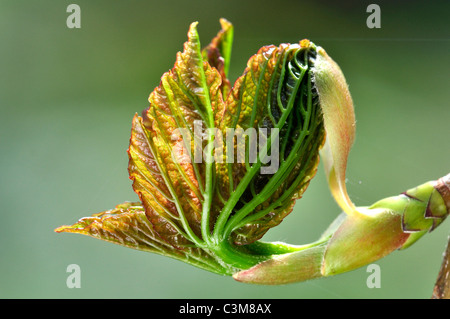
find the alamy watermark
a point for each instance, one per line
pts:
(374, 18)
(237, 146)
(374, 279)
(74, 19)
(74, 279)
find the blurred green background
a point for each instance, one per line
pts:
(67, 97)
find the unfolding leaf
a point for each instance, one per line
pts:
(276, 92)
(197, 192)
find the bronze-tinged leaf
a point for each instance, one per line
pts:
(149, 184)
(127, 225)
(181, 110)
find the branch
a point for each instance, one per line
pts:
(442, 288)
